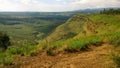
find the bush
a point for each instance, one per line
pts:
(84, 42)
(14, 51)
(4, 41)
(114, 39)
(78, 44)
(6, 59)
(27, 49)
(116, 59)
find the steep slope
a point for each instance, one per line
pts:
(78, 24)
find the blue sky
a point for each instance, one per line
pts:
(55, 5)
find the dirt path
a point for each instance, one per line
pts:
(97, 57)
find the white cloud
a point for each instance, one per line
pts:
(38, 5)
(79, 1)
(25, 1)
(96, 3)
(58, 0)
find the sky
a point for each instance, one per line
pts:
(55, 5)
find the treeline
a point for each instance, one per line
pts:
(110, 11)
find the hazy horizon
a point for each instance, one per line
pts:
(54, 5)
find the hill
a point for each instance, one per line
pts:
(80, 31)
(83, 41)
(78, 24)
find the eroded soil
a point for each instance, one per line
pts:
(96, 57)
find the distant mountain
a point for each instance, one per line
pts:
(88, 11)
(67, 13)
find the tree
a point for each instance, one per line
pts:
(4, 40)
(110, 11)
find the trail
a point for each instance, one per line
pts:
(96, 57)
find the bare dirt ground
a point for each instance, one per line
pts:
(96, 57)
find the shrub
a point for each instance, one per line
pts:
(6, 59)
(27, 50)
(4, 41)
(82, 43)
(74, 46)
(114, 39)
(14, 51)
(116, 59)
(78, 44)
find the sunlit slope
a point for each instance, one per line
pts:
(86, 25)
(78, 24)
(80, 31)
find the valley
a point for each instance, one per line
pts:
(29, 27)
(60, 39)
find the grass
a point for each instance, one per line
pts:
(116, 59)
(111, 21)
(114, 39)
(115, 55)
(26, 50)
(27, 27)
(7, 57)
(107, 27)
(75, 44)
(109, 33)
(84, 42)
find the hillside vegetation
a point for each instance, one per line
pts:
(75, 25)
(30, 27)
(77, 34)
(80, 31)
(111, 11)
(4, 41)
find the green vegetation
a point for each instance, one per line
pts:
(114, 39)
(77, 34)
(29, 26)
(116, 59)
(7, 57)
(22, 50)
(116, 55)
(4, 41)
(25, 30)
(80, 31)
(111, 11)
(75, 25)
